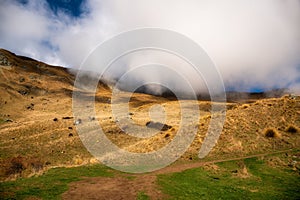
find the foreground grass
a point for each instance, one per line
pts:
(51, 184)
(251, 178)
(259, 181)
(142, 196)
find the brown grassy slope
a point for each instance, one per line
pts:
(35, 100)
(245, 126)
(33, 94)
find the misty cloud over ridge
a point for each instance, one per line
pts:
(255, 44)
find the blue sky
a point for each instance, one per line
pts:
(70, 7)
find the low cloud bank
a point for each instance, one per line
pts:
(255, 44)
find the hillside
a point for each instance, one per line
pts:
(37, 130)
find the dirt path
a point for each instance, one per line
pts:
(116, 188)
(128, 186)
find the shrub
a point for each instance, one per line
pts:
(16, 166)
(292, 129)
(20, 165)
(35, 164)
(271, 133)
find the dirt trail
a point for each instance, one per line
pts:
(128, 186)
(115, 188)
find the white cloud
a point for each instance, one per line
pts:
(254, 43)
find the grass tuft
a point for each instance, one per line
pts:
(142, 196)
(271, 133)
(16, 166)
(292, 129)
(19, 165)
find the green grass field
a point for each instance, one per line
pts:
(253, 178)
(142, 196)
(230, 181)
(52, 184)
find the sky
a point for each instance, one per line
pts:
(254, 44)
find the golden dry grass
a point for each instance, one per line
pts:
(33, 94)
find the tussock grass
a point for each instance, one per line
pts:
(18, 166)
(271, 133)
(292, 129)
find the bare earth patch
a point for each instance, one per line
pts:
(114, 188)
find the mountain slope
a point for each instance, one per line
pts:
(37, 128)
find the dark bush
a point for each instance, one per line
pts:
(16, 166)
(271, 133)
(292, 129)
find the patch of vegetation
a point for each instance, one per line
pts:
(292, 129)
(271, 133)
(262, 182)
(17, 165)
(142, 196)
(2, 121)
(51, 184)
(129, 177)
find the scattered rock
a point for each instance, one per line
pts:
(48, 163)
(21, 80)
(32, 77)
(293, 96)
(70, 128)
(70, 134)
(158, 125)
(67, 118)
(4, 61)
(30, 107)
(78, 121)
(55, 119)
(23, 92)
(92, 118)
